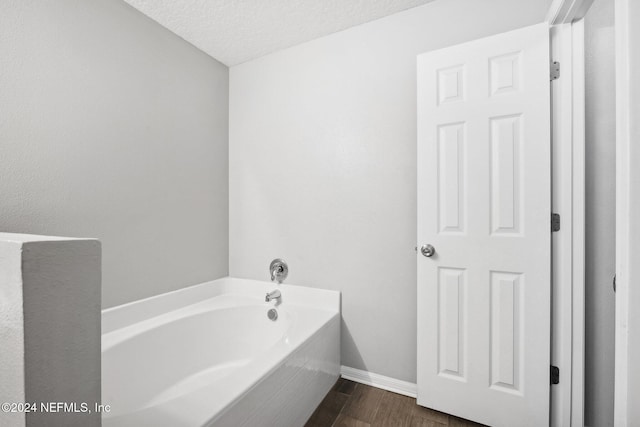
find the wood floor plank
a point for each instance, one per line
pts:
(347, 421)
(417, 421)
(395, 410)
(328, 410)
(420, 412)
(363, 403)
(459, 422)
(345, 386)
(350, 404)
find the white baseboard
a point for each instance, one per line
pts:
(380, 381)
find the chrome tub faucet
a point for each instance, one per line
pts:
(272, 295)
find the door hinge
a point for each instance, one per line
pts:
(555, 222)
(555, 375)
(554, 72)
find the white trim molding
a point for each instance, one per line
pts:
(578, 226)
(567, 11)
(568, 200)
(379, 381)
(627, 359)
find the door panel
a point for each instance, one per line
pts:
(484, 203)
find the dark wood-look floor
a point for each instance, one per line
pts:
(351, 404)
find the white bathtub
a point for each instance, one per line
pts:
(208, 355)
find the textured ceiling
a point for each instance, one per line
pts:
(235, 31)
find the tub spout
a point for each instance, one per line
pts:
(272, 295)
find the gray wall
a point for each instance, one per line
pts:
(112, 127)
(600, 213)
(325, 175)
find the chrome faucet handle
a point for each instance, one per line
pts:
(279, 270)
(276, 271)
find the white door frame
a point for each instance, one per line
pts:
(567, 11)
(568, 200)
(627, 370)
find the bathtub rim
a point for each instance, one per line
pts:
(149, 308)
(126, 314)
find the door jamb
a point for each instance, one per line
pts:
(568, 200)
(627, 384)
(567, 11)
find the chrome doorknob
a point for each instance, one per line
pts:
(427, 250)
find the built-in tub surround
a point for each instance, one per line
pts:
(49, 330)
(210, 355)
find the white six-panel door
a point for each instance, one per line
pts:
(484, 204)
